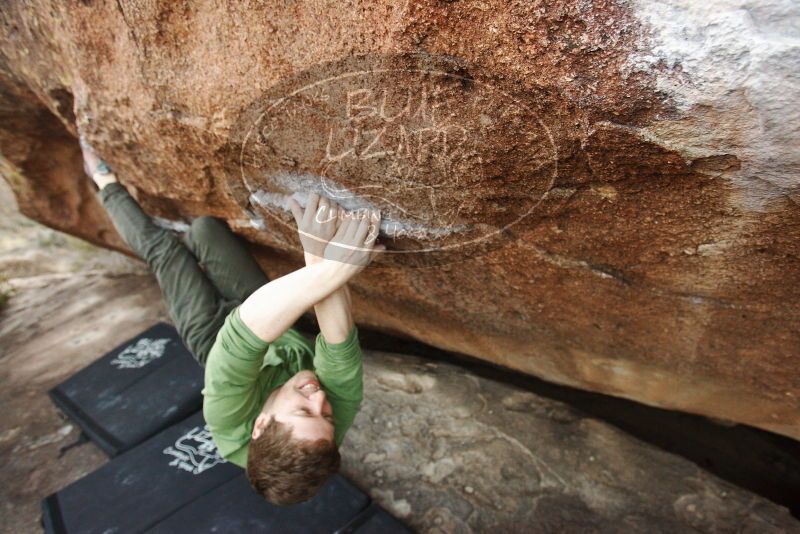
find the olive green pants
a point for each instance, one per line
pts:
(202, 278)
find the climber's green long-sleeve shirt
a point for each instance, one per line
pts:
(242, 370)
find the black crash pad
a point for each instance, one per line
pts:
(143, 486)
(176, 482)
(236, 508)
(141, 387)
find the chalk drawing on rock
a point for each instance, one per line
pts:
(450, 158)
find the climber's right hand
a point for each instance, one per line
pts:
(354, 245)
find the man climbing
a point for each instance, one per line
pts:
(275, 405)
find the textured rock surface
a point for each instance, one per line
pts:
(450, 452)
(601, 194)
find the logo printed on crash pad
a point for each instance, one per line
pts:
(140, 354)
(195, 451)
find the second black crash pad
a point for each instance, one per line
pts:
(177, 482)
(133, 392)
(142, 486)
(236, 508)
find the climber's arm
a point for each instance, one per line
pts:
(276, 306)
(334, 316)
(316, 225)
(340, 371)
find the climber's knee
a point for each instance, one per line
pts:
(205, 228)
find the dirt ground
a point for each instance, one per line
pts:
(48, 330)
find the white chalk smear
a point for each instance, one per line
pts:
(735, 81)
(176, 226)
(301, 185)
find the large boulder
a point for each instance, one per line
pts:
(603, 194)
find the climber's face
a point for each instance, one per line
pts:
(301, 404)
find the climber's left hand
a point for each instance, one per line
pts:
(316, 225)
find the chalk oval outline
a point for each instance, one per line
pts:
(350, 74)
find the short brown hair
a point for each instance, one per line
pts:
(285, 470)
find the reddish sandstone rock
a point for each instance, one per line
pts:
(602, 195)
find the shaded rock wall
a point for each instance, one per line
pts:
(603, 195)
